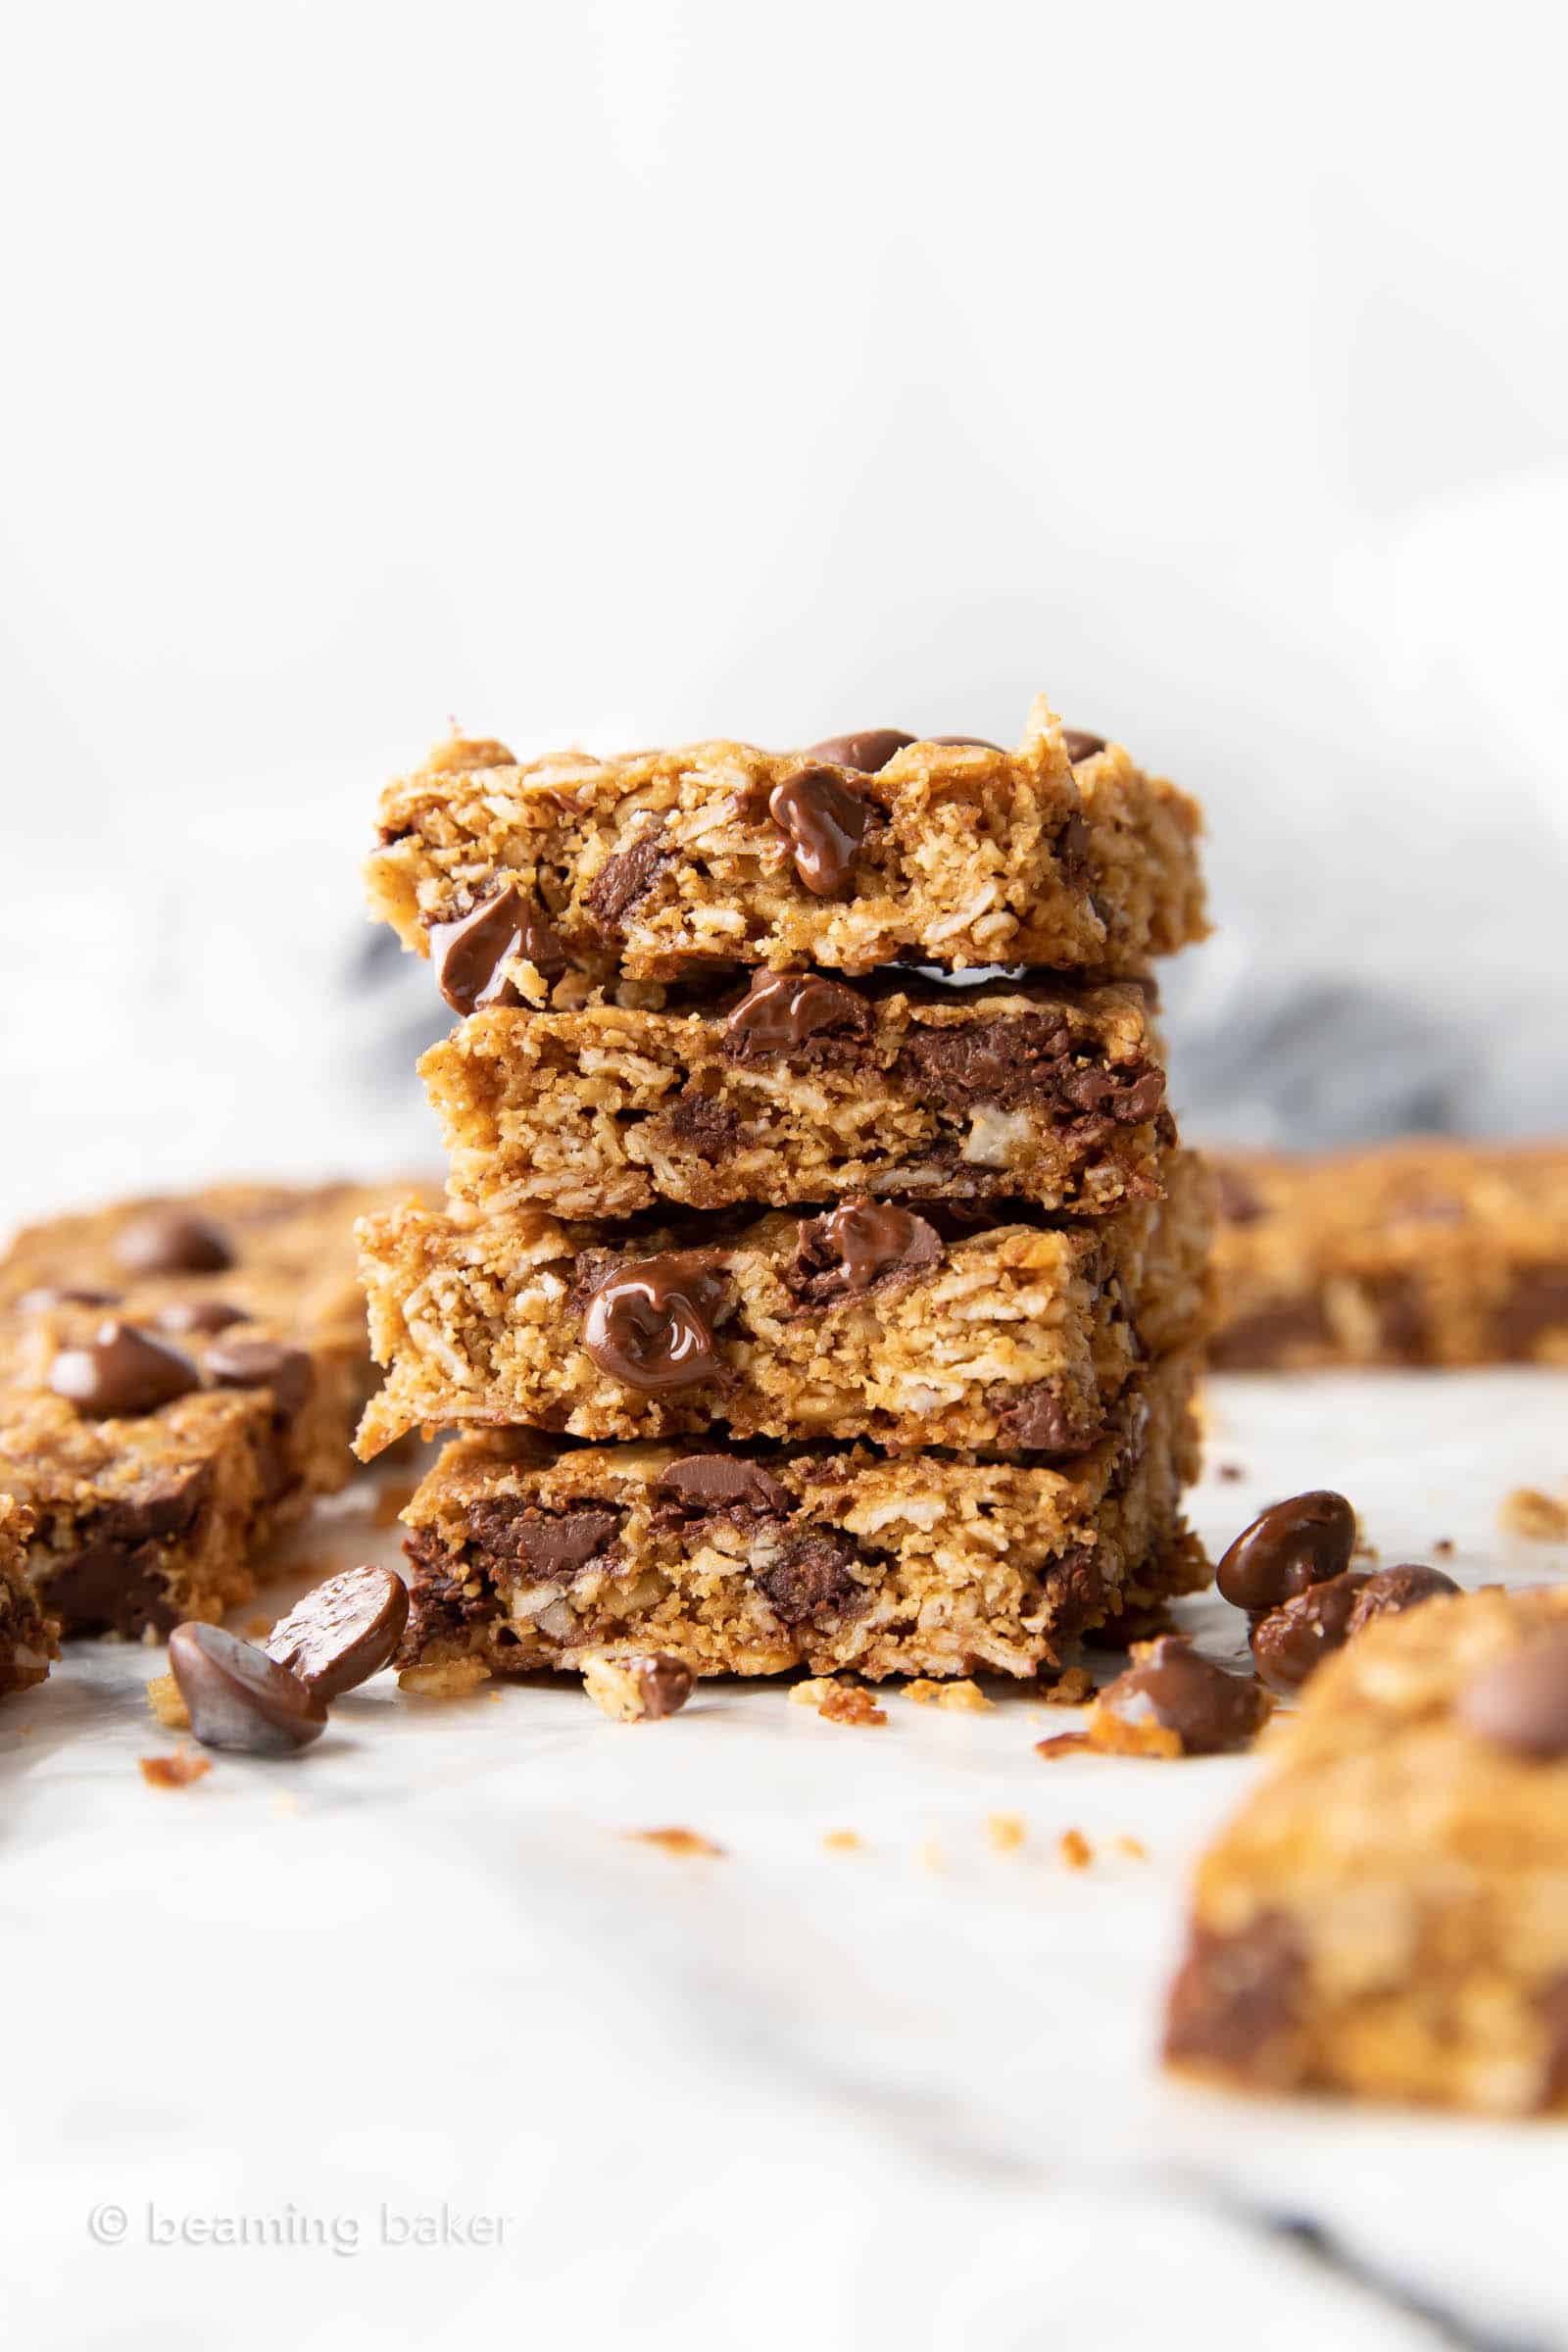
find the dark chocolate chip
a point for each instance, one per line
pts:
(1399, 1309)
(868, 752)
(709, 1127)
(239, 1698)
(1236, 2002)
(1037, 1421)
(1535, 1309)
(546, 1544)
(1272, 1335)
(1209, 1711)
(811, 1579)
(781, 1010)
(862, 1242)
(626, 877)
(1302, 1541)
(38, 1302)
(199, 1314)
(1080, 745)
(1290, 1642)
(706, 1484)
(650, 1323)
(664, 1683)
(1026, 1059)
(170, 1241)
(1520, 1702)
(343, 1632)
(1392, 1591)
(1077, 1588)
(121, 1371)
(824, 822)
(263, 1364)
(1072, 852)
(110, 1586)
(469, 953)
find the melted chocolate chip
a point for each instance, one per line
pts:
(343, 1632)
(663, 1684)
(170, 1240)
(852, 1247)
(1080, 745)
(1392, 1591)
(1026, 1059)
(48, 1294)
(1290, 1642)
(711, 1128)
(650, 1324)
(1520, 1702)
(707, 1484)
(811, 1581)
(239, 1698)
(1037, 1421)
(199, 1314)
(1300, 1542)
(782, 1010)
(1236, 2002)
(469, 953)
(110, 1586)
(824, 822)
(121, 1371)
(546, 1544)
(263, 1364)
(626, 877)
(1209, 1711)
(868, 752)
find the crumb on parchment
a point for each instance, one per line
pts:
(958, 1698)
(453, 1678)
(1005, 1832)
(1075, 1849)
(1071, 1689)
(837, 1702)
(177, 1770)
(1538, 1518)
(165, 1699)
(843, 1841)
(676, 1840)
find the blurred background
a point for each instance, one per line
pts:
(652, 369)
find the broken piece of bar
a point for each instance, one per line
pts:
(29, 1640)
(867, 1320)
(803, 1088)
(755, 1559)
(1387, 1915)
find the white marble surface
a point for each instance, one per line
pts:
(776, 2096)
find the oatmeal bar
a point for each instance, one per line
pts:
(755, 1559)
(867, 1320)
(1421, 1252)
(802, 1089)
(853, 854)
(1387, 1916)
(28, 1638)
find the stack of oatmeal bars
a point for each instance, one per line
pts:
(821, 1281)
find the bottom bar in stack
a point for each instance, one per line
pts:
(755, 1559)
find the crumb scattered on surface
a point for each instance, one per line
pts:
(165, 1702)
(391, 1504)
(177, 1770)
(838, 1703)
(1539, 1518)
(958, 1698)
(675, 1841)
(1133, 1847)
(1444, 1547)
(1071, 1689)
(1006, 1831)
(1230, 1471)
(452, 1679)
(843, 1841)
(1114, 1736)
(1075, 1849)
(1065, 1743)
(494, 1696)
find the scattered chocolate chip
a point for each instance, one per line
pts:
(343, 1632)
(825, 823)
(1080, 745)
(1290, 1642)
(711, 1483)
(263, 1364)
(170, 1241)
(121, 1371)
(868, 752)
(1392, 1591)
(47, 1295)
(238, 1697)
(862, 1242)
(626, 877)
(469, 954)
(650, 1324)
(664, 1683)
(781, 1010)
(1520, 1702)
(199, 1314)
(811, 1579)
(1172, 1685)
(1302, 1541)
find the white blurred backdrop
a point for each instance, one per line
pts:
(647, 369)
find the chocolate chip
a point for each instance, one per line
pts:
(1300, 1542)
(824, 822)
(626, 877)
(1399, 1305)
(239, 1698)
(343, 1632)
(650, 1324)
(977, 743)
(1520, 1702)
(1552, 2007)
(1037, 1421)
(1236, 2001)
(1392, 1591)
(153, 1508)
(862, 1242)
(1535, 1309)
(546, 1544)
(110, 1586)
(868, 752)
(469, 954)
(1272, 1335)
(1072, 852)
(664, 1683)
(1238, 1202)
(170, 1241)
(1209, 1711)
(710, 1127)
(812, 1581)
(263, 1364)
(121, 1371)
(706, 1484)
(1080, 745)
(199, 1314)
(1290, 1642)
(48, 1294)
(781, 1010)
(1026, 1059)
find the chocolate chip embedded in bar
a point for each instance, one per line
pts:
(864, 1320)
(806, 1089)
(883, 1563)
(1428, 1762)
(659, 864)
